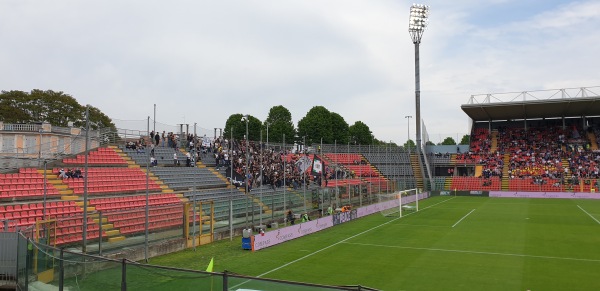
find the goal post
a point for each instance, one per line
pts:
(395, 204)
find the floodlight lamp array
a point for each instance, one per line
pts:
(417, 22)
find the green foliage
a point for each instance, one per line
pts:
(316, 125)
(409, 143)
(237, 124)
(340, 128)
(360, 133)
(448, 141)
(280, 123)
(465, 139)
(429, 143)
(56, 108)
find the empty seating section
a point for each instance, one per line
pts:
(128, 213)
(475, 183)
(184, 178)
(27, 184)
(70, 230)
(393, 163)
(102, 156)
(24, 215)
(111, 180)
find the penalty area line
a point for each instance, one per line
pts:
(335, 244)
(463, 218)
(589, 214)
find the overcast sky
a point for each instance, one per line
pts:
(201, 61)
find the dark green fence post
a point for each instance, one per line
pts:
(124, 275)
(225, 287)
(61, 270)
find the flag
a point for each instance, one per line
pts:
(210, 265)
(303, 163)
(317, 166)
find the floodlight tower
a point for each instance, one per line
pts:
(417, 23)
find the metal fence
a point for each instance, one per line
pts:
(42, 267)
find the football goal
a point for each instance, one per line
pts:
(399, 202)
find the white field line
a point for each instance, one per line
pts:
(335, 244)
(421, 225)
(478, 253)
(589, 214)
(463, 218)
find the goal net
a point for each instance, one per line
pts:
(397, 203)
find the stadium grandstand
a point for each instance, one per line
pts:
(121, 193)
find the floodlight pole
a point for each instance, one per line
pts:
(230, 146)
(247, 165)
(304, 172)
(417, 23)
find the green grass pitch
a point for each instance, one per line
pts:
(452, 243)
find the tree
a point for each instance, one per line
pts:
(409, 143)
(465, 139)
(280, 123)
(12, 108)
(339, 128)
(237, 125)
(56, 108)
(429, 143)
(448, 141)
(360, 133)
(316, 125)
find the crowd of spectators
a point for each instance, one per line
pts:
(278, 166)
(537, 154)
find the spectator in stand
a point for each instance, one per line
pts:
(175, 161)
(77, 173)
(69, 173)
(62, 174)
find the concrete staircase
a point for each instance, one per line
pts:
(448, 183)
(494, 145)
(593, 143)
(414, 163)
(122, 155)
(505, 168)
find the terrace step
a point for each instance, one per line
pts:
(113, 232)
(70, 198)
(115, 239)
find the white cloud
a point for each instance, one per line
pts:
(204, 60)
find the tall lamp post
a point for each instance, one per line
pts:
(245, 118)
(417, 23)
(408, 117)
(304, 171)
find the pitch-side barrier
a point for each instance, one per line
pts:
(281, 235)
